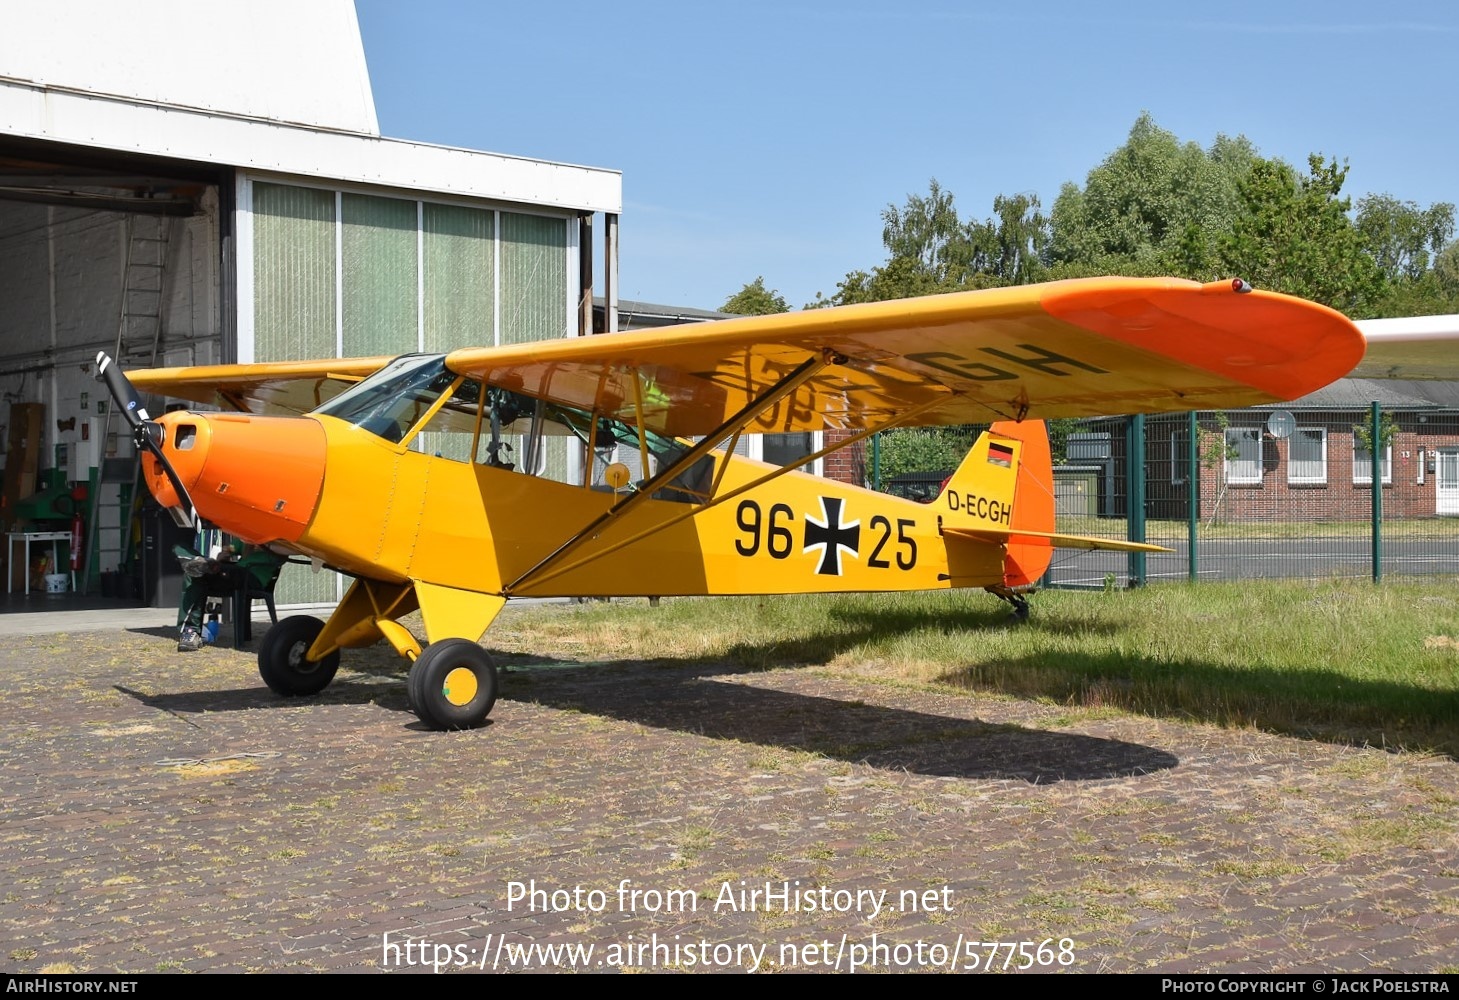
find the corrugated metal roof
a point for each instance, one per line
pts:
(1360, 393)
(636, 315)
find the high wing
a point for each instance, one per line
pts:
(1075, 348)
(271, 387)
(1420, 348)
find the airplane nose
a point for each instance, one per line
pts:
(254, 477)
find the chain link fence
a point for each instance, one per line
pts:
(1243, 494)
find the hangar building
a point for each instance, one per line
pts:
(208, 184)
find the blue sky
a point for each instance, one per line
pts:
(766, 138)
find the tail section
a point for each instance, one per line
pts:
(1003, 493)
(1004, 488)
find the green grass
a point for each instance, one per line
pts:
(1342, 661)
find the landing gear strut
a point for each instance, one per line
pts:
(1018, 602)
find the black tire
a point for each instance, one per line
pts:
(281, 661)
(412, 685)
(445, 697)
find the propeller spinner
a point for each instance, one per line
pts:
(146, 432)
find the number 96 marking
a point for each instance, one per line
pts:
(778, 540)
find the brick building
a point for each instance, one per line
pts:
(1318, 470)
(1322, 471)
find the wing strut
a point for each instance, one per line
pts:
(900, 418)
(638, 419)
(792, 381)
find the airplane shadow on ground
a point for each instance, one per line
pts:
(681, 694)
(706, 696)
(699, 700)
(705, 699)
(1308, 704)
(343, 691)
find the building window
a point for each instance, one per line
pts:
(1243, 454)
(782, 449)
(1363, 464)
(1307, 457)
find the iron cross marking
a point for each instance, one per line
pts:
(831, 536)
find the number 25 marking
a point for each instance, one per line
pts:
(906, 545)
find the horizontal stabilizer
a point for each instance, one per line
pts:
(1000, 536)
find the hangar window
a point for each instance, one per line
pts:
(353, 274)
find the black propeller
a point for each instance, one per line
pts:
(146, 432)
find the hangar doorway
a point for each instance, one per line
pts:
(98, 251)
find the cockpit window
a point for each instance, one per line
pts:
(610, 440)
(510, 432)
(390, 402)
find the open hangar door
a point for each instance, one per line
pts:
(97, 252)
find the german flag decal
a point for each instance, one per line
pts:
(999, 454)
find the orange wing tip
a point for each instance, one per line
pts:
(1003, 535)
(1279, 345)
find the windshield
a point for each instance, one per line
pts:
(390, 402)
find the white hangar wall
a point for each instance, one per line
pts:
(281, 60)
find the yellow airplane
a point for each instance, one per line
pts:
(420, 476)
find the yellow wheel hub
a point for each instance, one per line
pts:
(460, 686)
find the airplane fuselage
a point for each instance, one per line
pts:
(384, 511)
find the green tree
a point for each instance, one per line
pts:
(931, 250)
(925, 233)
(1294, 235)
(1446, 271)
(1155, 206)
(924, 449)
(1410, 247)
(755, 300)
(1400, 236)
(1012, 248)
(1363, 434)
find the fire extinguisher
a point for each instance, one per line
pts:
(77, 532)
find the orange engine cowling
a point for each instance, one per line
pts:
(255, 477)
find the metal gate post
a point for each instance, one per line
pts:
(1135, 495)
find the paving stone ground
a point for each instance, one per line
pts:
(337, 834)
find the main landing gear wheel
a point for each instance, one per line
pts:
(452, 685)
(281, 660)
